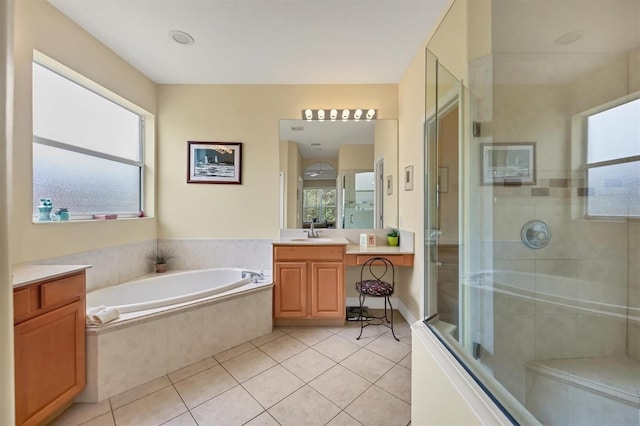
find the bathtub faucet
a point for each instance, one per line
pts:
(257, 276)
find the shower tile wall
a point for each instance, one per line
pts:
(634, 240)
(594, 254)
(634, 289)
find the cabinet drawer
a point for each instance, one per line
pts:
(308, 253)
(396, 259)
(21, 302)
(62, 290)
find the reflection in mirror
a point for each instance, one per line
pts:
(339, 174)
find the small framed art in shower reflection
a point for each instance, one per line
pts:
(508, 163)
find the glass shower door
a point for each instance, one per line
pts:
(358, 201)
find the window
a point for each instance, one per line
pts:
(319, 205)
(87, 149)
(613, 161)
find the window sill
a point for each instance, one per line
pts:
(89, 218)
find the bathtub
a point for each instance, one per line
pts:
(171, 321)
(167, 289)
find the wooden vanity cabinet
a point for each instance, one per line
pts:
(49, 345)
(309, 284)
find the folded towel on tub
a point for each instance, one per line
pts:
(102, 315)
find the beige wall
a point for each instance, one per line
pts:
(242, 113)
(40, 26)
(355, 158)
(386, 146)
(291, 166)
(6, 300)
(410, 203)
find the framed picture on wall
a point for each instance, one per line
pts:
(508, 163)
(214, 162)
(389, 184)
(408, 178)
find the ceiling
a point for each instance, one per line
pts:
(262, 41)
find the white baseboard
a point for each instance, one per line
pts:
(378, 303)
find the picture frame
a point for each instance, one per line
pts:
(390, 185)
(214, 162)
(508, 163)
(408, 178)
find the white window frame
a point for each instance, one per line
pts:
(586, 166)
(104, 93)
(322, 205)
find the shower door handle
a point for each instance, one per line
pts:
(433, 235)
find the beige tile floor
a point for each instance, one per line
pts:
(292, 376)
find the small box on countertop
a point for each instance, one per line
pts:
(367, 240)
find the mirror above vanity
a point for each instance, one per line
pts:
(339, 174)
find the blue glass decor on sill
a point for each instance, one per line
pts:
(44, 210)
(63, 214)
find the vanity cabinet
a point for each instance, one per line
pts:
(309, 284)
(49, 345)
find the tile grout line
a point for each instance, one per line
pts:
(113, 414)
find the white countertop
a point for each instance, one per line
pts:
(313, 241)
(357, 249)
(28, 274)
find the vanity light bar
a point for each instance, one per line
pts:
(345, 114)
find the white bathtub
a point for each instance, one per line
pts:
(170, 321)
(167, 289)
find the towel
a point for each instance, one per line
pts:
(101, 315)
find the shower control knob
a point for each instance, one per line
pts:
(535, 234)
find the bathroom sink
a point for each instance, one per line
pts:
(311, 240)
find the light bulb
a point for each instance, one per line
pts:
(333, 114)
(321, 114)
(345, 114)
(308, 114)
(371, 113)
(357, 114)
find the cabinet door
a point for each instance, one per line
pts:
(290, 290)
(327, 290)
(49, 362)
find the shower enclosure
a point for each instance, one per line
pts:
(532, 218)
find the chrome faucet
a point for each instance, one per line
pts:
(312, 233)
(257, 276)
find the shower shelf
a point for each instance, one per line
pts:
(612, 377)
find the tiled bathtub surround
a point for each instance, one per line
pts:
(218, 253)
(125, 355)
(115, 265)
(110, 265)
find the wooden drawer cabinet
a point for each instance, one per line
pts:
(309, 284)
(397, 259)
(49, 345)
